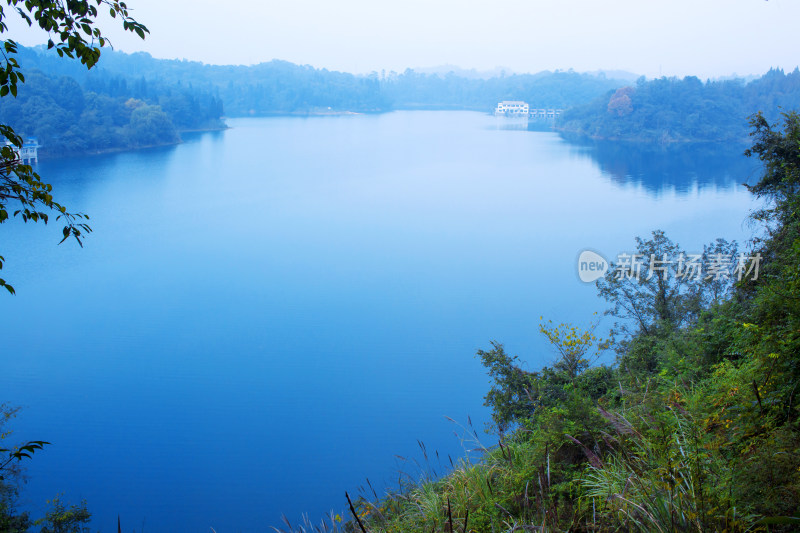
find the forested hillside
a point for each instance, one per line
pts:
(135, 100)
(411, 90)
(668, 110)
(280, 87)
(275, 87)
(72, 111)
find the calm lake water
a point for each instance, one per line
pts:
(265, 316)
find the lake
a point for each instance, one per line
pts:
(267, 316)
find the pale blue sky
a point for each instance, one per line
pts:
(707, 38)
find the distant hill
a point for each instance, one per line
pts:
(470, 74)
(191, 95)
(617, 75)
(72, 111)
(280, 87)
(669, 110)
(560, 89)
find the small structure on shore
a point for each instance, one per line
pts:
(550, 114)
(519, 109)
(28, 154)
(512, 108)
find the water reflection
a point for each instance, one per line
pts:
(523, 124)
(680, 169)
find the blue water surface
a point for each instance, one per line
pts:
(264, 317)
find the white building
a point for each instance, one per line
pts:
(512, 108)
(29, 153)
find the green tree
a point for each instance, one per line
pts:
(779, 149)
(645, 289)
(516, 394)
(72, 32)
(10, 521)
(574, 347)
(10, 457)
(510, 396)
(63, 519)
(659, 287)
(149, 126)
(775, 307)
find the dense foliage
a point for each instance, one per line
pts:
(694, 427)
(411, 90)
(102, 112)
(68, 121)
(191, 94)
(274, 87)
(668, 110)
(280, 87)
(60, 519)
(135, 100)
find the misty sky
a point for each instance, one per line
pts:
(707, 38)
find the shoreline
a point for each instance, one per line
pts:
(206, 130)
(319, 113)
(49, 157)
(574, 136)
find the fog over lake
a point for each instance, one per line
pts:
(265, 316)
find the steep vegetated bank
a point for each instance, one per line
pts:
(670, 110)
(695, 427)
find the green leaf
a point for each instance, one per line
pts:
(8, 287)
